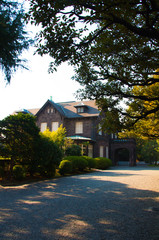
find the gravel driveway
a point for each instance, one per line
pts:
(117, 204)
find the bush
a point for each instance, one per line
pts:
(50, 156)
(47, 171)
(91, 161)
(18, 172)
(78, 162)
(65, 167)
(103, 163)
(2, 172)
(74, 150)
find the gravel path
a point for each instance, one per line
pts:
(117, 204)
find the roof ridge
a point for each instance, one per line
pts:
(62, 108)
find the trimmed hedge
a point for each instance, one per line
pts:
(78, 162)
(103, 163)
(91, 162)
(18, 172)
(65, 167)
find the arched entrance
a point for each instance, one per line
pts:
(122, 156)
(125, 148)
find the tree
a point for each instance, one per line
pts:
(148, 127)
(19, 138)
(57, 136)
(112, 44)
(50, 155)
(149, 152)
(13, 37)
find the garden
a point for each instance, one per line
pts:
(26, 154)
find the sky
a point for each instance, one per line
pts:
(32, 88)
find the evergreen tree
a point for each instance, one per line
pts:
(13, 37)
(19, 139)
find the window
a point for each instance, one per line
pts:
(83, 149)
(79, 127)
(50, 110)
(80, 109)
(99, 130)
(90, 150)
(55, 126)
(101, 151)
(107, 152)
(43, 126)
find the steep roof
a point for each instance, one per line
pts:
(71, 109)
(68, 109)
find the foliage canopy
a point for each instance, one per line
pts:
(13, 37)
(114, 46)
(19, 138)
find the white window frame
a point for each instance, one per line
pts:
(79, 127)
(90, 150)
(107, 152)
(43, 126)
(80, 109)
(101, 151)
(55, 126)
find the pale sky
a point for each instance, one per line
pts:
(32, 88)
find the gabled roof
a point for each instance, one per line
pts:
(68, 109)
(55, 105)
(71, 111)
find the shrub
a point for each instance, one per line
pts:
(18, 172)
(78, 162)
(2, 172)
(91, 161)
(103, 163)
(50, 156)
(47, 171)
(65, 167)
(74, 150)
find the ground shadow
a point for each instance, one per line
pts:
(79, 207)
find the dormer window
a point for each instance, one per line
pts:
(81, 108)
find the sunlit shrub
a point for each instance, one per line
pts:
(78, 162)
(103, 163)
(65, 167)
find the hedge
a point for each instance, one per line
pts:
(91, 162)
(65, 167)
(78, 162)
(103, 163)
